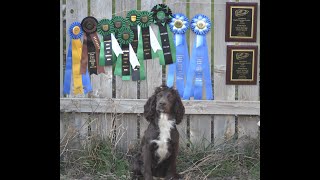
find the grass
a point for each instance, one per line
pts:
(231, 160)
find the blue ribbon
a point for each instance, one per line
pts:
(86, 82)
(68, 71)
(182, 55)
(199, 68)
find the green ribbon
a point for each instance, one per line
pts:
(117, 69)
(102, 61)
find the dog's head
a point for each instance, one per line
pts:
(164, 100)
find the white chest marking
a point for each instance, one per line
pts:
(165, 125)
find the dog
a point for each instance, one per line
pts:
(160, 144)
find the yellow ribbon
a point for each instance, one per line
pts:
(76, 58)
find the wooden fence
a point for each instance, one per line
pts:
(117, 104)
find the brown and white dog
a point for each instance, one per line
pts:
(160, 143)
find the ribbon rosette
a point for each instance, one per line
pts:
(179, 25)
(128, 57)
(73, 63)
(199, 62)
(105, 28)
(91, 47)
(118, 23)
(162, 16)
(147, 38)
(132, 20)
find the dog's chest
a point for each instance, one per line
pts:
(165, 126)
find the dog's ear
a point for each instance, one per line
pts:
(150, 108)
(178, 108)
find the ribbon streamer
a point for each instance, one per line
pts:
(162, 16)
(144, 45)
(105, 28)
(179, 25)
(80, 83)
(199, 61)
(91, 47)
(128, 59)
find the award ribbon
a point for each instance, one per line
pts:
(125, 37)
(105, 28)
(144, 46)
(199, 62)
(162, 16)
(91, 47)
(179, 25)
(132, 19)
(118, 23)
(73, 63)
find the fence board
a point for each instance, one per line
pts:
(224, 126)
(70, 132)
(182, 128)
(101, 9)
(200, 129)
(76, 10)
(200, 125)
(136, 106)
(153, 68)
(247, 125)
(61, 50)
(82, 124)
(101, 125)
(126, 89)
(176, 7)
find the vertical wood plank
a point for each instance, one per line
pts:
(61, 50)
(81, 124)
(176, 7)
(153, 68)
(182, 128)
(62, 126)
(101, 123)
(247, 125)
(224, 125)
(126, 89)
(200, 129)
(76, 10)
(200, 125)
(70, 131)
(101, 9)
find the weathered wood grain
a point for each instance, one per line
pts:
(101, 9)
(221, 107)
(127, 124)
(200, 125)
(224, 126)
(76, 10)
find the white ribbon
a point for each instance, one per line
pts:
(154, 41)
(133, 57)
(115, 46)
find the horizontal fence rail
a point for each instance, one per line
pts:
(128, 106)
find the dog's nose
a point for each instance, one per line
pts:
(162, 103)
